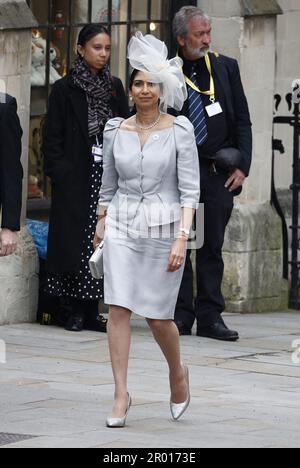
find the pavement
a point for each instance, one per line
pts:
(56, 388)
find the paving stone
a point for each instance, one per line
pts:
(58, 387)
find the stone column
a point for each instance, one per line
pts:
(18, 273)
(246, 30)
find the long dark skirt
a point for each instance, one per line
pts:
(82, 286)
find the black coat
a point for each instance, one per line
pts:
(68, 162)
(226, 71)
(11, 171)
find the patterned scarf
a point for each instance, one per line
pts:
(98, 89)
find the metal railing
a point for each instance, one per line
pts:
(293, 120)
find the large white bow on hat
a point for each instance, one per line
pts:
(150, 55)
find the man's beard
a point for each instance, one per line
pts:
(197, 53)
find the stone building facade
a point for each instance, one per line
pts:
(258, 36)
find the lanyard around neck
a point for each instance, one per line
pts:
(211, 91)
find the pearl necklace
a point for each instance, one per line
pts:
(150, 126)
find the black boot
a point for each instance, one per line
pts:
(95, 321)
(76, 320)
(65, 311)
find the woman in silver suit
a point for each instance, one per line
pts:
(150, 190)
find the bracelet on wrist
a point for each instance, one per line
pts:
(180, 236)
(185, 232)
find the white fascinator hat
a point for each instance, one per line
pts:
(150, 55)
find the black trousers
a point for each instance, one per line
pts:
(209, 303)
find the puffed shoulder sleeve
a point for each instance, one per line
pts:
(110, 176)
(188, 170)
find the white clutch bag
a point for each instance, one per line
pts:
(96, 262)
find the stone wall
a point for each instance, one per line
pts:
(18, 273)
(253, 261)
(19, 283)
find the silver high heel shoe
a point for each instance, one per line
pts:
(119, 422)
(177, 409)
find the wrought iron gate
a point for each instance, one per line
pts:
(293, 119)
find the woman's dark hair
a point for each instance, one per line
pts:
(132, 78)
(89, 31)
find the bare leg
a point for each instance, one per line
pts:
(119, 337)
(166, 334)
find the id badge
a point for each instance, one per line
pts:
(214, 109)
(97, 153)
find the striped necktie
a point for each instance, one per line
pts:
(196, 110)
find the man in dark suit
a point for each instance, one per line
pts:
(11, 174)
(218, 108)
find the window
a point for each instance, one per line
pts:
(54, 50)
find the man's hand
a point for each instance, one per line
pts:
(8, 242)
(236, 180)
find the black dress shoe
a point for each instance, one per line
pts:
(75, 322)
(218, 331)
(220, 320)
(183, 329)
